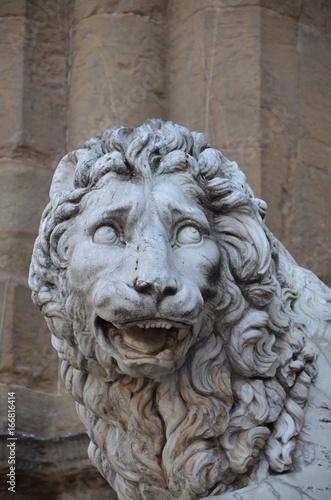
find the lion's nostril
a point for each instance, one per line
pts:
(142, 286)
(171, 289)
(159, 287)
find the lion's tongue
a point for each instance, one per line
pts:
(145, 340)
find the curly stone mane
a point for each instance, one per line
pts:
(239, 415)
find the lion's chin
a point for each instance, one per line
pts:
(146, 347)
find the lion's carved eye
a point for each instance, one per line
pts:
(188, 235)
(106, 235)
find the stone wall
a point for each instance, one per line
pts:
(254, 75)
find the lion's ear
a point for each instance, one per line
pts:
(63, 179)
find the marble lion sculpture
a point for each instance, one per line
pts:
(194, 345)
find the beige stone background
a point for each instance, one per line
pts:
(254, 75)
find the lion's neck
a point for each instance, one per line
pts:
(167, 427)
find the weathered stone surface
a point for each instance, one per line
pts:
(290, 8)
(189, 336)
(295, 132)
(279, 114)
(46, 66)
(28, 186)
(114, 78)
(34, 45)
(148, 8)
(12, 84)
(214, 52)
(41, 414)
(26, 356)
(14, 254)
(316, 14)
(307, 224)
(314, 146)
(8, 8)
(55, 467)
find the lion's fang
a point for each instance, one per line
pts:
(182, 332)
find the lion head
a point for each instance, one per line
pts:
(173, 309)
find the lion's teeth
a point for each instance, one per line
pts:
(165, 355)
(155, 324)
(170, 341)
(166, 325)
(182, 332)
(116, 325)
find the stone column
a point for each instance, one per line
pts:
(24, 175)
(117, 74)
(214, 76)
(296, 128)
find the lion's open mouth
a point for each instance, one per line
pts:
(155, 337)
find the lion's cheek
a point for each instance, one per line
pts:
(201, 265)
(89, 265)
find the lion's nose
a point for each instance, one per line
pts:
(158, 287)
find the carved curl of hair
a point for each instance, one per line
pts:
(252, 374)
